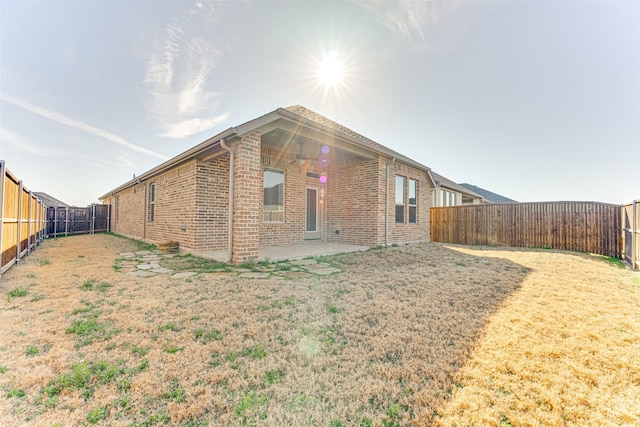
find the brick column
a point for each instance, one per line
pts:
(247, 199)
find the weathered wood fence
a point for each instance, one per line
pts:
(22, 222)
(575, 226)
(63, 221)
(631, 233)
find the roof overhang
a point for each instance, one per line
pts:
(277, 119)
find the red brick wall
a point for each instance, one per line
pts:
(212, 204)
(247, 199)
(175, 205)
(126, 218)
(407, 232)
(351, 203)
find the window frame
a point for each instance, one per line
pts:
(413, 206)
(271, 221)
(404, 201)
(152, 201)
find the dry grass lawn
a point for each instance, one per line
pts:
(412, 335)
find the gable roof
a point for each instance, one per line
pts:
(488, 195)
(441, 181)
(297, 114)
(49, 200)
(307, 114)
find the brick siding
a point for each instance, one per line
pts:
(247, 199)
(212, 204)
(191, 204)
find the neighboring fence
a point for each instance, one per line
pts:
(62, 221)
(22, 219)
(576, 226)
(631, 234)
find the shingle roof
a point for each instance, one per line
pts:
(305, 113)
(49, 200)
(295, 113)
(445, 182)
(488, 195)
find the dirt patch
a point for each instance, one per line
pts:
(385, 342)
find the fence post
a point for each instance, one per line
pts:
(66, 222)
(2, 196)
(29, 214)
(55, 222)
(634, 237)
(19, 231)
(93, 219)
(109, 218)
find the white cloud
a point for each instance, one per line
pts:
(23, 144)
(193, 126)
(409, 18)
(76, 124)
(178, 70)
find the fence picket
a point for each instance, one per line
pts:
(578, 226)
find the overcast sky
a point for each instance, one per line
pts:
(534, 100)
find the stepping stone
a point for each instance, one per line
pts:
(304, 262)
(149, 266)
(162, 270)
(127, 255)
(184, 274)
(254, 275)
(142, 253)
(294, 274)
(141, 273)
(325, 271)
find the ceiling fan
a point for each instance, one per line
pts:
(301, 157)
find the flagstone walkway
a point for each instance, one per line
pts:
(148, 263)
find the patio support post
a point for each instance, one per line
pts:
(247, 198)
(232, 159)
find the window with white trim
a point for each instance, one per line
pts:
(400, 202)
(152, 201)
(413, 201)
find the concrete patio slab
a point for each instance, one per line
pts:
(294, 252)
(291, 252)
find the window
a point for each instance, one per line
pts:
(413, 201)
(152, 201)
(447, 198)
(400, 199)
(273, 202)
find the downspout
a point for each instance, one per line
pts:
(144, 211)
(386, 205)
(232, 157)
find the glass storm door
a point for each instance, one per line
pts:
(312, 221)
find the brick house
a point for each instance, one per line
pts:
(291, 175)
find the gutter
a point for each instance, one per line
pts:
(180, 158)
(386, 204)
(232, 158)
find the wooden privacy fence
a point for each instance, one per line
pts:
(575, 226)
(22, 222)
(62, 221)
(631, 233)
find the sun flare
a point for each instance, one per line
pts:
(331, 70)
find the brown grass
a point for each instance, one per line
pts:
(390, 341)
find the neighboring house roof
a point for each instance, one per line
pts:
(488, 195)
(441, 181)
(295, 114)
(49, 200)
